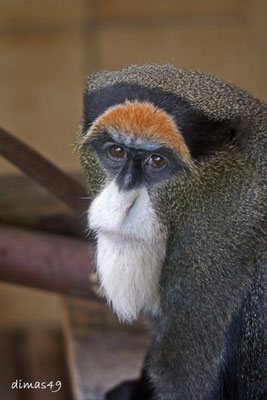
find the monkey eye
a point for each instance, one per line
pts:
(117, 151)
(156, 161)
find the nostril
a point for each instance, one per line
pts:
(128, 181)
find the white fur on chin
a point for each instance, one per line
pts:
(130, 249)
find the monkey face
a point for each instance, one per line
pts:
(133, 168)
(131, 240)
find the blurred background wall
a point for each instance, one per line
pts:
(48, 47)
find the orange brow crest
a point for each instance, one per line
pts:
(142, 120)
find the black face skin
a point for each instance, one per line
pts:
(134, 166)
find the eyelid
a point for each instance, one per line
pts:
(148, 156)
(109, 144)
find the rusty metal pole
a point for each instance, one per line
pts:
(43, 171)
(46, 261)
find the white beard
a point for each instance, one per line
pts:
(131, 248)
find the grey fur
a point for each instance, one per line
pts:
(207, 93)
(216, 254)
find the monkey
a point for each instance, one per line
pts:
(175, 163)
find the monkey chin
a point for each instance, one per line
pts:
(130, 250)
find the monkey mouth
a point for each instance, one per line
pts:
(114, 234)
(118, 235)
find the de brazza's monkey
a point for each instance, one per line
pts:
(175, 163)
